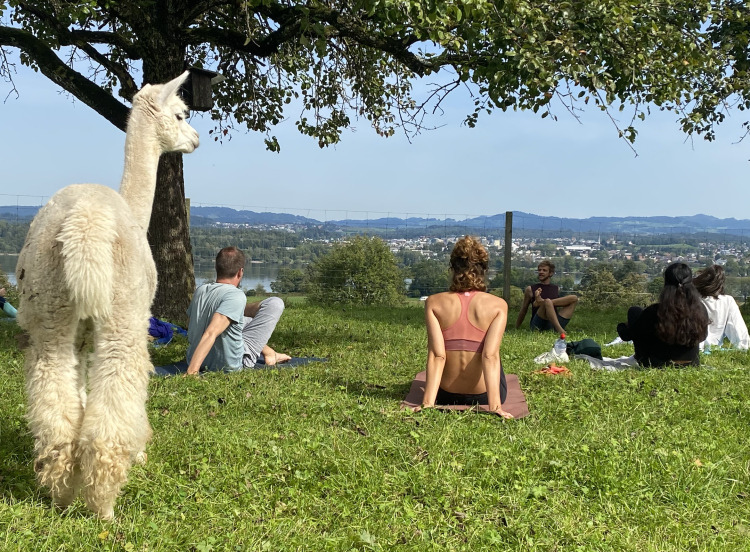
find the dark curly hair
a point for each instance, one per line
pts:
(710, 281)
(469, 264)
(682, 318)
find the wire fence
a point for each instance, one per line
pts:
(20, 208)
(276, 238)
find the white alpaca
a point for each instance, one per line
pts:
(86, 275)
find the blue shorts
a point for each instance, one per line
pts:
(538, 323)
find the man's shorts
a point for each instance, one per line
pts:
(538, 323)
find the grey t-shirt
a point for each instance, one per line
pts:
(227, 351)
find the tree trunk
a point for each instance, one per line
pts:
(169, 237)
(168, 231)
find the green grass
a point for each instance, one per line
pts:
(321, 458)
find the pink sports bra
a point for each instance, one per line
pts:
(463, 335)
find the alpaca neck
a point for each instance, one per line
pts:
(138, 183)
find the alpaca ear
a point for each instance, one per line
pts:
(171, 87)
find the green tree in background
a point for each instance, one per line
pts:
(289, 280)
(429, 277)
(338, 60)
(600, 288)
(361, 272)
(516, 296)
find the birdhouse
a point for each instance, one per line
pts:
(196, 92)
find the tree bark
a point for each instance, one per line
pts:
(168, 231)
(169, 237)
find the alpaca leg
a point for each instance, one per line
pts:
(115, 428)
(54, 407)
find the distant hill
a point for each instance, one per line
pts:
(20, 212)
(200, 216)
(225, 214)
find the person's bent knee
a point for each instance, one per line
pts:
(275, 303)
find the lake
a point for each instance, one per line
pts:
(254, 273)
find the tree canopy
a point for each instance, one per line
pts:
(339, 60)
(334, 61)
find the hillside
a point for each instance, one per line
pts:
(203, 215)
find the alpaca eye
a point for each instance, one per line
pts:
(179, 117)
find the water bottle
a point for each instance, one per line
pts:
(560, 347)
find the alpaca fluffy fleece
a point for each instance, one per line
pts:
(86, 278)
(88, 445)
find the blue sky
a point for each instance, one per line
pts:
(511, 161)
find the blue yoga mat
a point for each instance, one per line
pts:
(181, 367)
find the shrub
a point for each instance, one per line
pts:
(600, 288)
(289, 281)
(361, 272)
(516, 296)
(428, 277)
(11, 291)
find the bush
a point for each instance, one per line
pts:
(289, 281)
(428, 277)
(516, 296)
(11, 291)
(361, 272)
(258, 290)
(600, 288)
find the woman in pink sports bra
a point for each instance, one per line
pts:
(465, 327)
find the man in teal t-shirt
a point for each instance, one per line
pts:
(225, 332)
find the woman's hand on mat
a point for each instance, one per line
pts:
(499, 411)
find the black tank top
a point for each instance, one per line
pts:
(549, 291)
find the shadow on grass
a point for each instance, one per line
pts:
(391, 392)
(316, 341)
(16, 472)
(412, 316)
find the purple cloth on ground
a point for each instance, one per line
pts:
(159, 330)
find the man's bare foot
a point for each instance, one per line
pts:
(276, 358)
(538, 301)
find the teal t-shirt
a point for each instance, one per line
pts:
(226, 353)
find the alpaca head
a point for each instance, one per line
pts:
(161, 105)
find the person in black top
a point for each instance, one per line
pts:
(545, 301)
(669, 332)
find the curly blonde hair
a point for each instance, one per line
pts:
(469, 264)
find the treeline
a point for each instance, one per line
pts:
(12, 235)
(269, 246)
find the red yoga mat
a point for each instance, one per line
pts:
(515, 402)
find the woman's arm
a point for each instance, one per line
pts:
(491, 360)
(736, 330)
(435, 355)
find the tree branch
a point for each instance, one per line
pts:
(106, 37)
(238, 41)
(128, 88)
(70, 80)
(289, 21)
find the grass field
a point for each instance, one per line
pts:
(321, 458)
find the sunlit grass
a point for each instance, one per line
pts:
(321, 457)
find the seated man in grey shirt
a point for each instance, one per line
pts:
(225, 332)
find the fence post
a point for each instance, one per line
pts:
(508, 251)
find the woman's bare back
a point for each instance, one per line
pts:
(463, 369)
